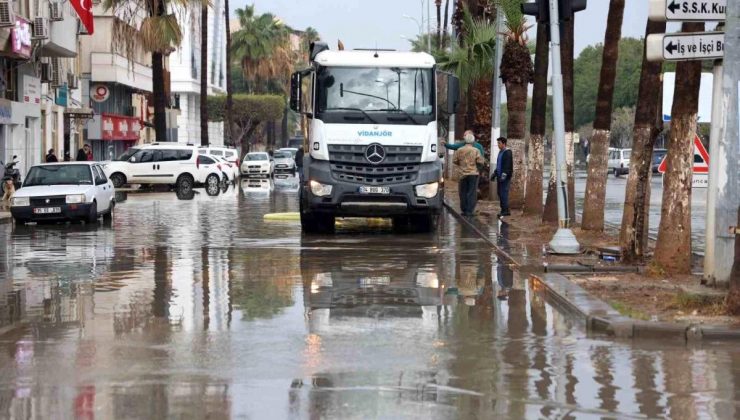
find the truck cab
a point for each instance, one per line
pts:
(370, 137)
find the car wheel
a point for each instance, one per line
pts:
(92, 216)
(213, 185)
(108, 216)
(185, 184)
(20, 221)
(118, 180)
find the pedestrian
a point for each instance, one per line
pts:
(585, 148)
(299, 163)
(51, 157)
(458, 145)
(503, 173)
(468, 158)
(82, 154)
(67, 157)
(89, 153)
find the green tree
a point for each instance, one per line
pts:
(249, 113)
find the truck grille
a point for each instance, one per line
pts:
(53, 201)
(348, 163)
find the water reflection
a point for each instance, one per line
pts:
(189, 308)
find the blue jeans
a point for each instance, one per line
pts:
(503, 195)
(468, 189)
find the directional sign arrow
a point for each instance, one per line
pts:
(671, 47)
(687, 11)
(685, 46)
(673, 6)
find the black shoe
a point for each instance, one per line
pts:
(505, 213)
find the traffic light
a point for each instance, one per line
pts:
(566, 8)
(540, 9)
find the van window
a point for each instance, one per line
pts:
(169, 155)
(230, 154)
(205, 160)
(217, 153)
(184, 154)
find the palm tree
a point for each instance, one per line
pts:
(633, 235)
(438, 4)
(516, 74)
(673, 248)
(444, 25)
(204, 73)
(229, 94)
(593, 204)
(309, 35)
(533, 192)
(147, 24)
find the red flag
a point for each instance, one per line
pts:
(84, 11)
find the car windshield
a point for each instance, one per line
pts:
(283, 155)
(58, 175)
(257, 156)
(125, 156)
(376, 89)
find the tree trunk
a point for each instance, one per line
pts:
(533, 190)
(438, 4)
(673, 249)
(633, 234)
(159, 97)
(516, 105)
(204, 74)
(229, 122)
(444, 26)
(593, 203)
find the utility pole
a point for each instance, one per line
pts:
(564, 241)
(429, 26)
(711, 230)
(496, 106)
(451, 131)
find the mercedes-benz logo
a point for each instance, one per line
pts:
(48, 201)
(375, 153)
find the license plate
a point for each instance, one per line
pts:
(47, 210)
(375, 190)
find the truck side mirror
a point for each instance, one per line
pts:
(295, 91)
(453, 94)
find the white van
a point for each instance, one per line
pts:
(160, 163)
(619, 161)
(223, 152)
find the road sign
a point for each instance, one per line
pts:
(687, 11)
(686, 46)
(701, 159)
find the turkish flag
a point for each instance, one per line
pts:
(84, 11)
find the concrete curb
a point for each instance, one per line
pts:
(5, 217)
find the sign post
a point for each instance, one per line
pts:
(687, 11)
(686, 46)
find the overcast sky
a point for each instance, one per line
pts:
(381, 23)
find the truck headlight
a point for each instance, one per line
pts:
(75, 198)
(320, 190)
(427, 190)
(20, 202)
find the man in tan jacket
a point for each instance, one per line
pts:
(468, 158)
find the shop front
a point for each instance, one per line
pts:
(110, 135)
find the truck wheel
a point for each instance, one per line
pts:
(317, 223)
(400, 224)
(424, 223)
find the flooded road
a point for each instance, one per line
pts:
(196, 307)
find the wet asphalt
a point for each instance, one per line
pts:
(195, 306)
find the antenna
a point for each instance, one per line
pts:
(376, 50)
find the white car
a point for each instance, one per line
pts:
(258, 164)
(292, 150)
(619, 161)
(227, 153)
(284, 161)
(213, 174)
(172, 164)
(64, 191)
(231, 169)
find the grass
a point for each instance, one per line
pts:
(628, 311)
(705, 304)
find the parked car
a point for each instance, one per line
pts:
(292, 151)
(284, 161)
(64, 191)
(212, 172)
(258, 164)
(170, 164)
(658, 155)
(619, 161)
(227, 153)
(231, 169)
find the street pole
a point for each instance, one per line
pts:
(496, 106)
(711, 231)
(451, 131)
(564, 242)
(429, 27)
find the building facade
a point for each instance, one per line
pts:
(186, 70)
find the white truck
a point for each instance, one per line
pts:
(370, 136)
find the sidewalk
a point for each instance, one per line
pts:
(640, 305)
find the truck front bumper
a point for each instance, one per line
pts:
(346, 200)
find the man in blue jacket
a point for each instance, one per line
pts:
(503, 173)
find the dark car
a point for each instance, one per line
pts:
(658, 155)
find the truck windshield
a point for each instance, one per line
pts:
(408, 91)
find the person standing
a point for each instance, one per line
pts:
(503, 173)
(468, 158)
(89, 153)
(299, 163)
(82, 154)
(456, 146)
(67, 157)
(51, 157)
